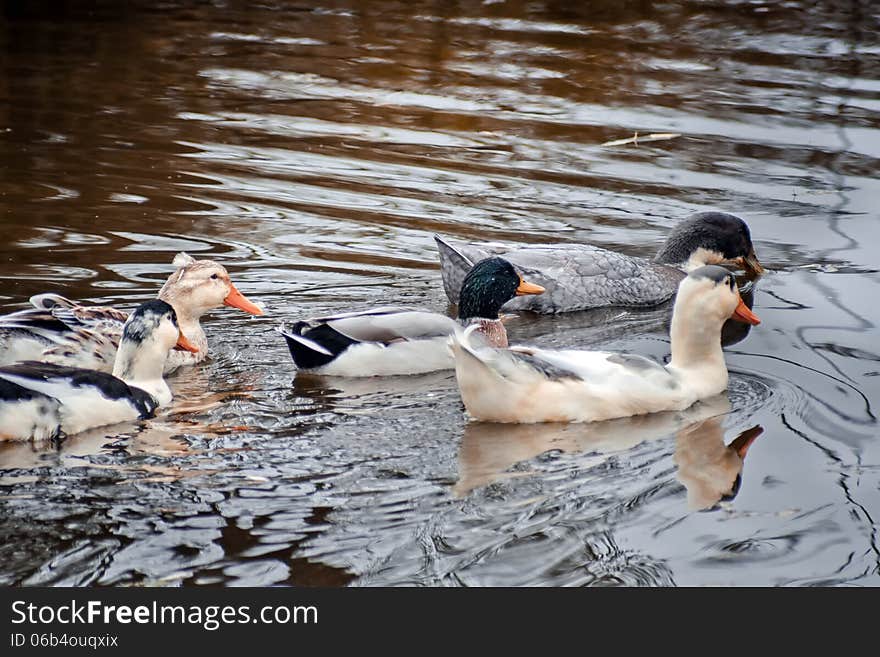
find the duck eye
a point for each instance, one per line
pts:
(214, 276)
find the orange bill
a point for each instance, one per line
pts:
(744, 314)
(186, 345)
(528, 288)
(237, 300)
(742, 442)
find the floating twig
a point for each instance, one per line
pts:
(635, 139)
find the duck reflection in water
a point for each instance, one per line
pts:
(709, 469)
(164, 435)
(316, 393)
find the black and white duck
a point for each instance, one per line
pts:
(45, 400)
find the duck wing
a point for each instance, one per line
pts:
(59, 330)
(319, 341)
(41, 323)
(26, 333)
(89, 349)
(69, 384)
(575, 277)
(525, 384)
(388, 324)
(74, 315)
(601, 367)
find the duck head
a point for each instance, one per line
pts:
(489, 285)
(202, 285)
(149, 333)
(710, 294)
(707, 297)
(710, 238)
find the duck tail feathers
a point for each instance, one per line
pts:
(500, 363)
(295, 333)
(447, 250)
(313, 346)
(460, 339)
(454, 266)
(472, 364)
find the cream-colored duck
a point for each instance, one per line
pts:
(44, 400)
(63, 332)
(526, 384)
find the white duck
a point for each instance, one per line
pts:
(583, 276)
(390, 341)
(44, 400)
(525, 384)
(61, 331)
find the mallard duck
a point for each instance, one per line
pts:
(528, 384)
(390, 340)
(63, 332)
(580, 277)
(44, 400)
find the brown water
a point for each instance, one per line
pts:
(314, 149)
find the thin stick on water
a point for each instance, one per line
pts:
(635, 139)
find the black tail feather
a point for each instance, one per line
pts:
(324, 336)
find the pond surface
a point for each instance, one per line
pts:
(314, 149)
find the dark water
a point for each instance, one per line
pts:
(314, 148)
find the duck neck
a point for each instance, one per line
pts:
(674, 251)
(492, 330)
(682, 249)
(141, 366)
(696, 344)
(192, 329)
(473, 306)
(188, 321)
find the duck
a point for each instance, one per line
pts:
(525, 384)
(391, 340)
(583, 276)
(58, 330)
(43, 401)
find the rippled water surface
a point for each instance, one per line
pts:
(314, 149)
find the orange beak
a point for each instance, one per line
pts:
(237, 300)
(742, 442)
(528, 288)
(744, 314)
(186, 345)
